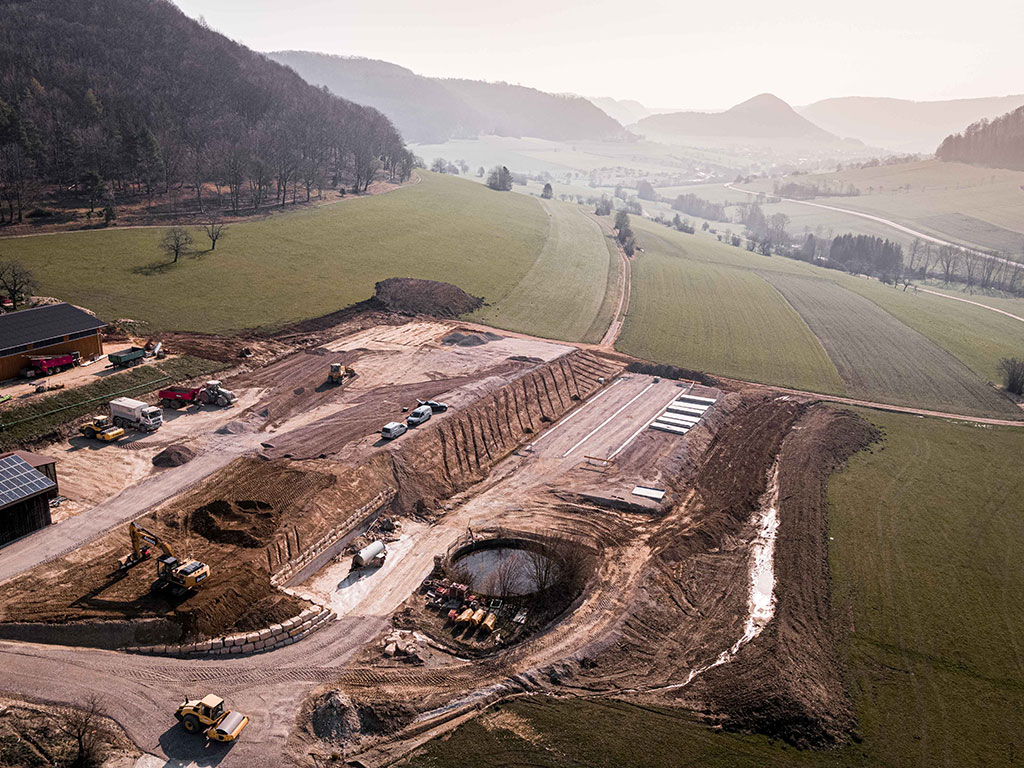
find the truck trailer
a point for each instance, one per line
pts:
(125, 357)
(44, 365)
(135, 414)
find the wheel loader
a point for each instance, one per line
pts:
(208, 715)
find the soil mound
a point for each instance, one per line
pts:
(426, 297)
(337, 719)
(173, 456)
(672, 372)
(242, 523)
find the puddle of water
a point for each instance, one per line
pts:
(500, 571)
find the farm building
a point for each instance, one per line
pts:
(25, 495)
(51, 329)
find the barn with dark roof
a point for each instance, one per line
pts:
(51, 329)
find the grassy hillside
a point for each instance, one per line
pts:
(976, 206)
(575, 254)
(928, 585)
(699, 303)
(297, 265)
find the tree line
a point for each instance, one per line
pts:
(998, 142)
(695, 206)
(109, 100)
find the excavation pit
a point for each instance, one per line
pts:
(504, 567)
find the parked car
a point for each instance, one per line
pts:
(419, 415)
(435, 406)
(393, 429)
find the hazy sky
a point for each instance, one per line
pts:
(661, 52)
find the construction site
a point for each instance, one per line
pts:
(391, 521)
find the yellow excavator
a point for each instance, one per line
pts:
(170, 571)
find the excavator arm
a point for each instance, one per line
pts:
(141, 536)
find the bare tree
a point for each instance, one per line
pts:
(176, 242)
(507, 577)
(916, 248)
(17, 281)
(543, 569)
(949, 260)
(215, 230)
(988, 270)
(972, 266)
(1013, 374)
(87, 728)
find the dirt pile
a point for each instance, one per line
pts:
(671, 372)
(245, 523)
(174, 456)
(425, 297)
(336, 719)
(787, 682)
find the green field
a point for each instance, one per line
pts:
(699, 303)
(575, 254)
(297, 265)
(879, 358)
(927, 583)
(976, 336)
(696, 314)
(976, 206)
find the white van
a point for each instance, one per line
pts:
(392, 429)
(419, 415)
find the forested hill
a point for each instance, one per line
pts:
(998, 142)
(129, 97)
(431, 110)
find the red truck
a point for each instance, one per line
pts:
(46, 365)
(211, 392)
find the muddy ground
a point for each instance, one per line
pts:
(670, 595)
(318, 464)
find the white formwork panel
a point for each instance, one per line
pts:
(684, 408)
(696, 399)
(676, 418)
(662, 426)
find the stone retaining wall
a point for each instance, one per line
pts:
(268, 639)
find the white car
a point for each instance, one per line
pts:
(393, 429)
(419, 415)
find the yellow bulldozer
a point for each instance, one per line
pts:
(338, 374)
(180, 575)
(208, 715)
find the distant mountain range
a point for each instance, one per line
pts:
(899, 124)
(431, 110)
(764, 116)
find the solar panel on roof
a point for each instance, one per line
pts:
(18, 480)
